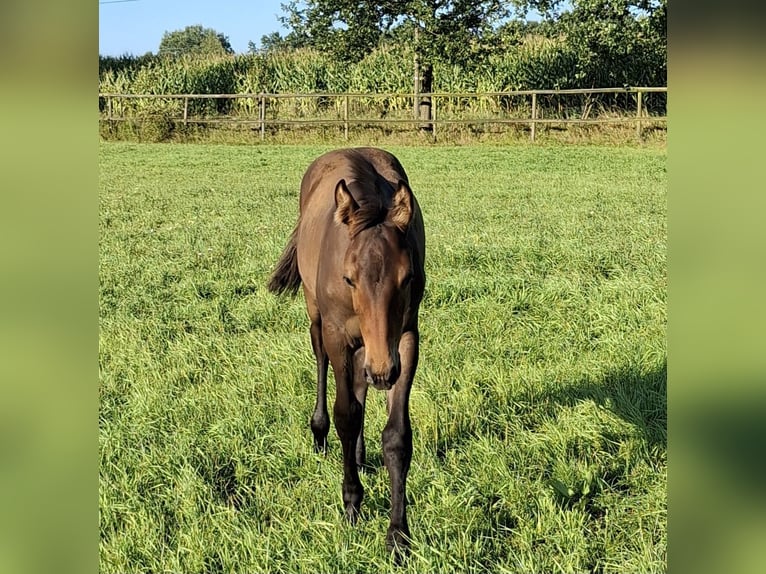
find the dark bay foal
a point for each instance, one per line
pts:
(358, 249)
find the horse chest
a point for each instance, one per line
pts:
(353, 329)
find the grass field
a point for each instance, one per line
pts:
(539, 407)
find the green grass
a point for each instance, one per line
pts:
(160, 128)
(538, 409)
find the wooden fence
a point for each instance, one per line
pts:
(527, 110)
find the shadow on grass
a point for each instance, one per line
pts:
(373, 463)
(638, 398)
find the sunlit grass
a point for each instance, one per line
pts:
(538, 409)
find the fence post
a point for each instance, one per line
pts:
(426, 87)
(534, 116)
(262, 116)
(638, 115)
(416, 80)
(186, 110)
(109, 109)
(433, 116)
(345, 116)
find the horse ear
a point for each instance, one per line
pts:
(401, 210)
(345, 205)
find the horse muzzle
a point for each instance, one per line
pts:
(385, 379)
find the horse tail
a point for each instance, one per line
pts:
(286, 278)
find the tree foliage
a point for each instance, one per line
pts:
(350, 29)
(613, 42)
(196, 41)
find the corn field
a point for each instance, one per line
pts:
(386, 75)
(541, 64)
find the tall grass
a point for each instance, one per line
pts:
(538, 409)
(537, 63)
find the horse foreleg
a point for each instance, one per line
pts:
(397, 442)
(348, 412)
(360, 392)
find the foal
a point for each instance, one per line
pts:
(358, 249)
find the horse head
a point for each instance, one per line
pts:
(378, 270)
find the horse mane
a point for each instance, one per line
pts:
(371, 176)
(369, 214)
(367, 187)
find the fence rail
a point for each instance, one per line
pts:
(434, 102)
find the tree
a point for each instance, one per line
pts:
(455, 31)
(616, 41)
(196, 41)
(275, 42)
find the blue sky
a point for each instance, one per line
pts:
(137, 27)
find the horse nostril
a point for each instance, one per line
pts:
(383, 378)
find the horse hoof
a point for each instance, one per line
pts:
(320, 447)
(352, 514)
(398, 544)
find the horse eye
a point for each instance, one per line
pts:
(348, 281)
(407, 279)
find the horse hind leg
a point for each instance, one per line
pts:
(320, 420)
